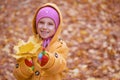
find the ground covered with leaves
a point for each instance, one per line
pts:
(91, 29)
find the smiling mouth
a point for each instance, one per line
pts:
(42, 31)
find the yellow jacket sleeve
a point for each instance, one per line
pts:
(22, 71)
(57, 60)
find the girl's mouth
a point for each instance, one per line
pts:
(44, 31)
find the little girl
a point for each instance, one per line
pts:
(43, 56)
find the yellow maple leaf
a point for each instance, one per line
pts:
(26, 48)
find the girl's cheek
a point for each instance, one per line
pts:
(39, 26)
(52, 28)
(38, 29)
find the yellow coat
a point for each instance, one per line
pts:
(57, 52)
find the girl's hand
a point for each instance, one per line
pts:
(43, 58)
(29, 63)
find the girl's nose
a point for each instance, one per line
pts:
(45, 26)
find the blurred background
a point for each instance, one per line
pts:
(91, 29)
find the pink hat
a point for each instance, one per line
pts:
(50, 13)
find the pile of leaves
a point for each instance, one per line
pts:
(91, 30)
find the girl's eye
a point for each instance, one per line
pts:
(41, 22)
(50, 23)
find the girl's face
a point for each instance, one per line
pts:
(46, 28)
